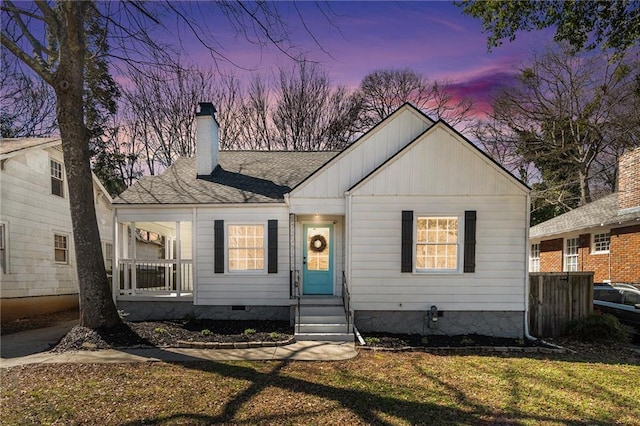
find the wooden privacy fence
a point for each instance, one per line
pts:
(555, 298)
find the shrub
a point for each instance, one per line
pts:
(371, 340)
(206, 332)
(160, 330)
(599, 327)
(249, 331)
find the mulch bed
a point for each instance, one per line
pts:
(398, 341)
(173, 333)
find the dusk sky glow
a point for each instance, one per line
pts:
(432, 37)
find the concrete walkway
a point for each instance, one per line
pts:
(32, 347)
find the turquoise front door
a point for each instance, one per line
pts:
(317, 268)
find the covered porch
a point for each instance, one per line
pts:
(153, 260)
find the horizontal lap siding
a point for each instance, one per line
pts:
(366, 154)
(237, 288)
(497, 284)
(32, 216)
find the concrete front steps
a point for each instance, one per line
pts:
(322, 319)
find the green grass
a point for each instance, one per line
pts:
(374, 388)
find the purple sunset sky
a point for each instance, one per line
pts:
(431, 37)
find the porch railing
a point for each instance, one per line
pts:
(346, 300)
(297, 294)
(156, 277)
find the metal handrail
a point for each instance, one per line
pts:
(296, 285)
(346, 300)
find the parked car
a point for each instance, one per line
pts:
(623, 302)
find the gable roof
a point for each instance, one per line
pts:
(10, 147)
(407, 106)
(439, 124)
(602, 212)
(240, 177)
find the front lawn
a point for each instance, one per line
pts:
(374, 388)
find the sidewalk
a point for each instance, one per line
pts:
(28, 348)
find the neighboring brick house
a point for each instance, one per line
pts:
(602, 236)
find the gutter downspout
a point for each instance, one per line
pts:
(526, 275)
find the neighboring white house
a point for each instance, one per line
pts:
(37, 259)
(410, 229)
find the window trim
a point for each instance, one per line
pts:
(459, 244)
(533, 259)
(53, 161)
(67, 249)
(5, 247)
(265, 253)
(565, 255)
(593, 242)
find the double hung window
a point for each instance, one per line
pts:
(437, 244)
(61, 248)
(534, 258)
(246, 247)
(571, 254)
(57, 178)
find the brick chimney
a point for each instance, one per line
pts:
(206, 139)
(629, 179)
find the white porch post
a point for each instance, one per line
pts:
(132, 256)
(178, 260)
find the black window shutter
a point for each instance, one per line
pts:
(272, 246)
(218, 247)
(470, 241)
(407, 241)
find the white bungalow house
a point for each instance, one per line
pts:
(410, 229)
(37, 258)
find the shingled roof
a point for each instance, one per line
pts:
(602, 212)
(241, 177)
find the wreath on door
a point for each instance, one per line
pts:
(317, 243)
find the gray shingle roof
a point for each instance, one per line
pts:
(601, 212)
(9, 146)
(242, 177)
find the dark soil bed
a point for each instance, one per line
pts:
(396, 341)
(170, 333)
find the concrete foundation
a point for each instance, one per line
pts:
(25, 307)
(160, 310)
(450, 323)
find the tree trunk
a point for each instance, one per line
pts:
(96, 304)
(585, 191)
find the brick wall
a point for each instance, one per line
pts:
(624, 252)
(629, 179)
(551, 255)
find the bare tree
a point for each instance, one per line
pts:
(162, 104)
(27, 104)
(60, 42)
(383, 91)
(565, 123)
(310, 115)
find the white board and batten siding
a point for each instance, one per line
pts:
(241, 288)
(324, 192)
(439, 175)
(32, 215)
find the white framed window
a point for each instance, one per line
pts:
(3, 248)
(57, 178)
(534, 258)
(108, 256)
(571, 254)
(437, 243)
(61, 248)
(246, 248)
(601, 242)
